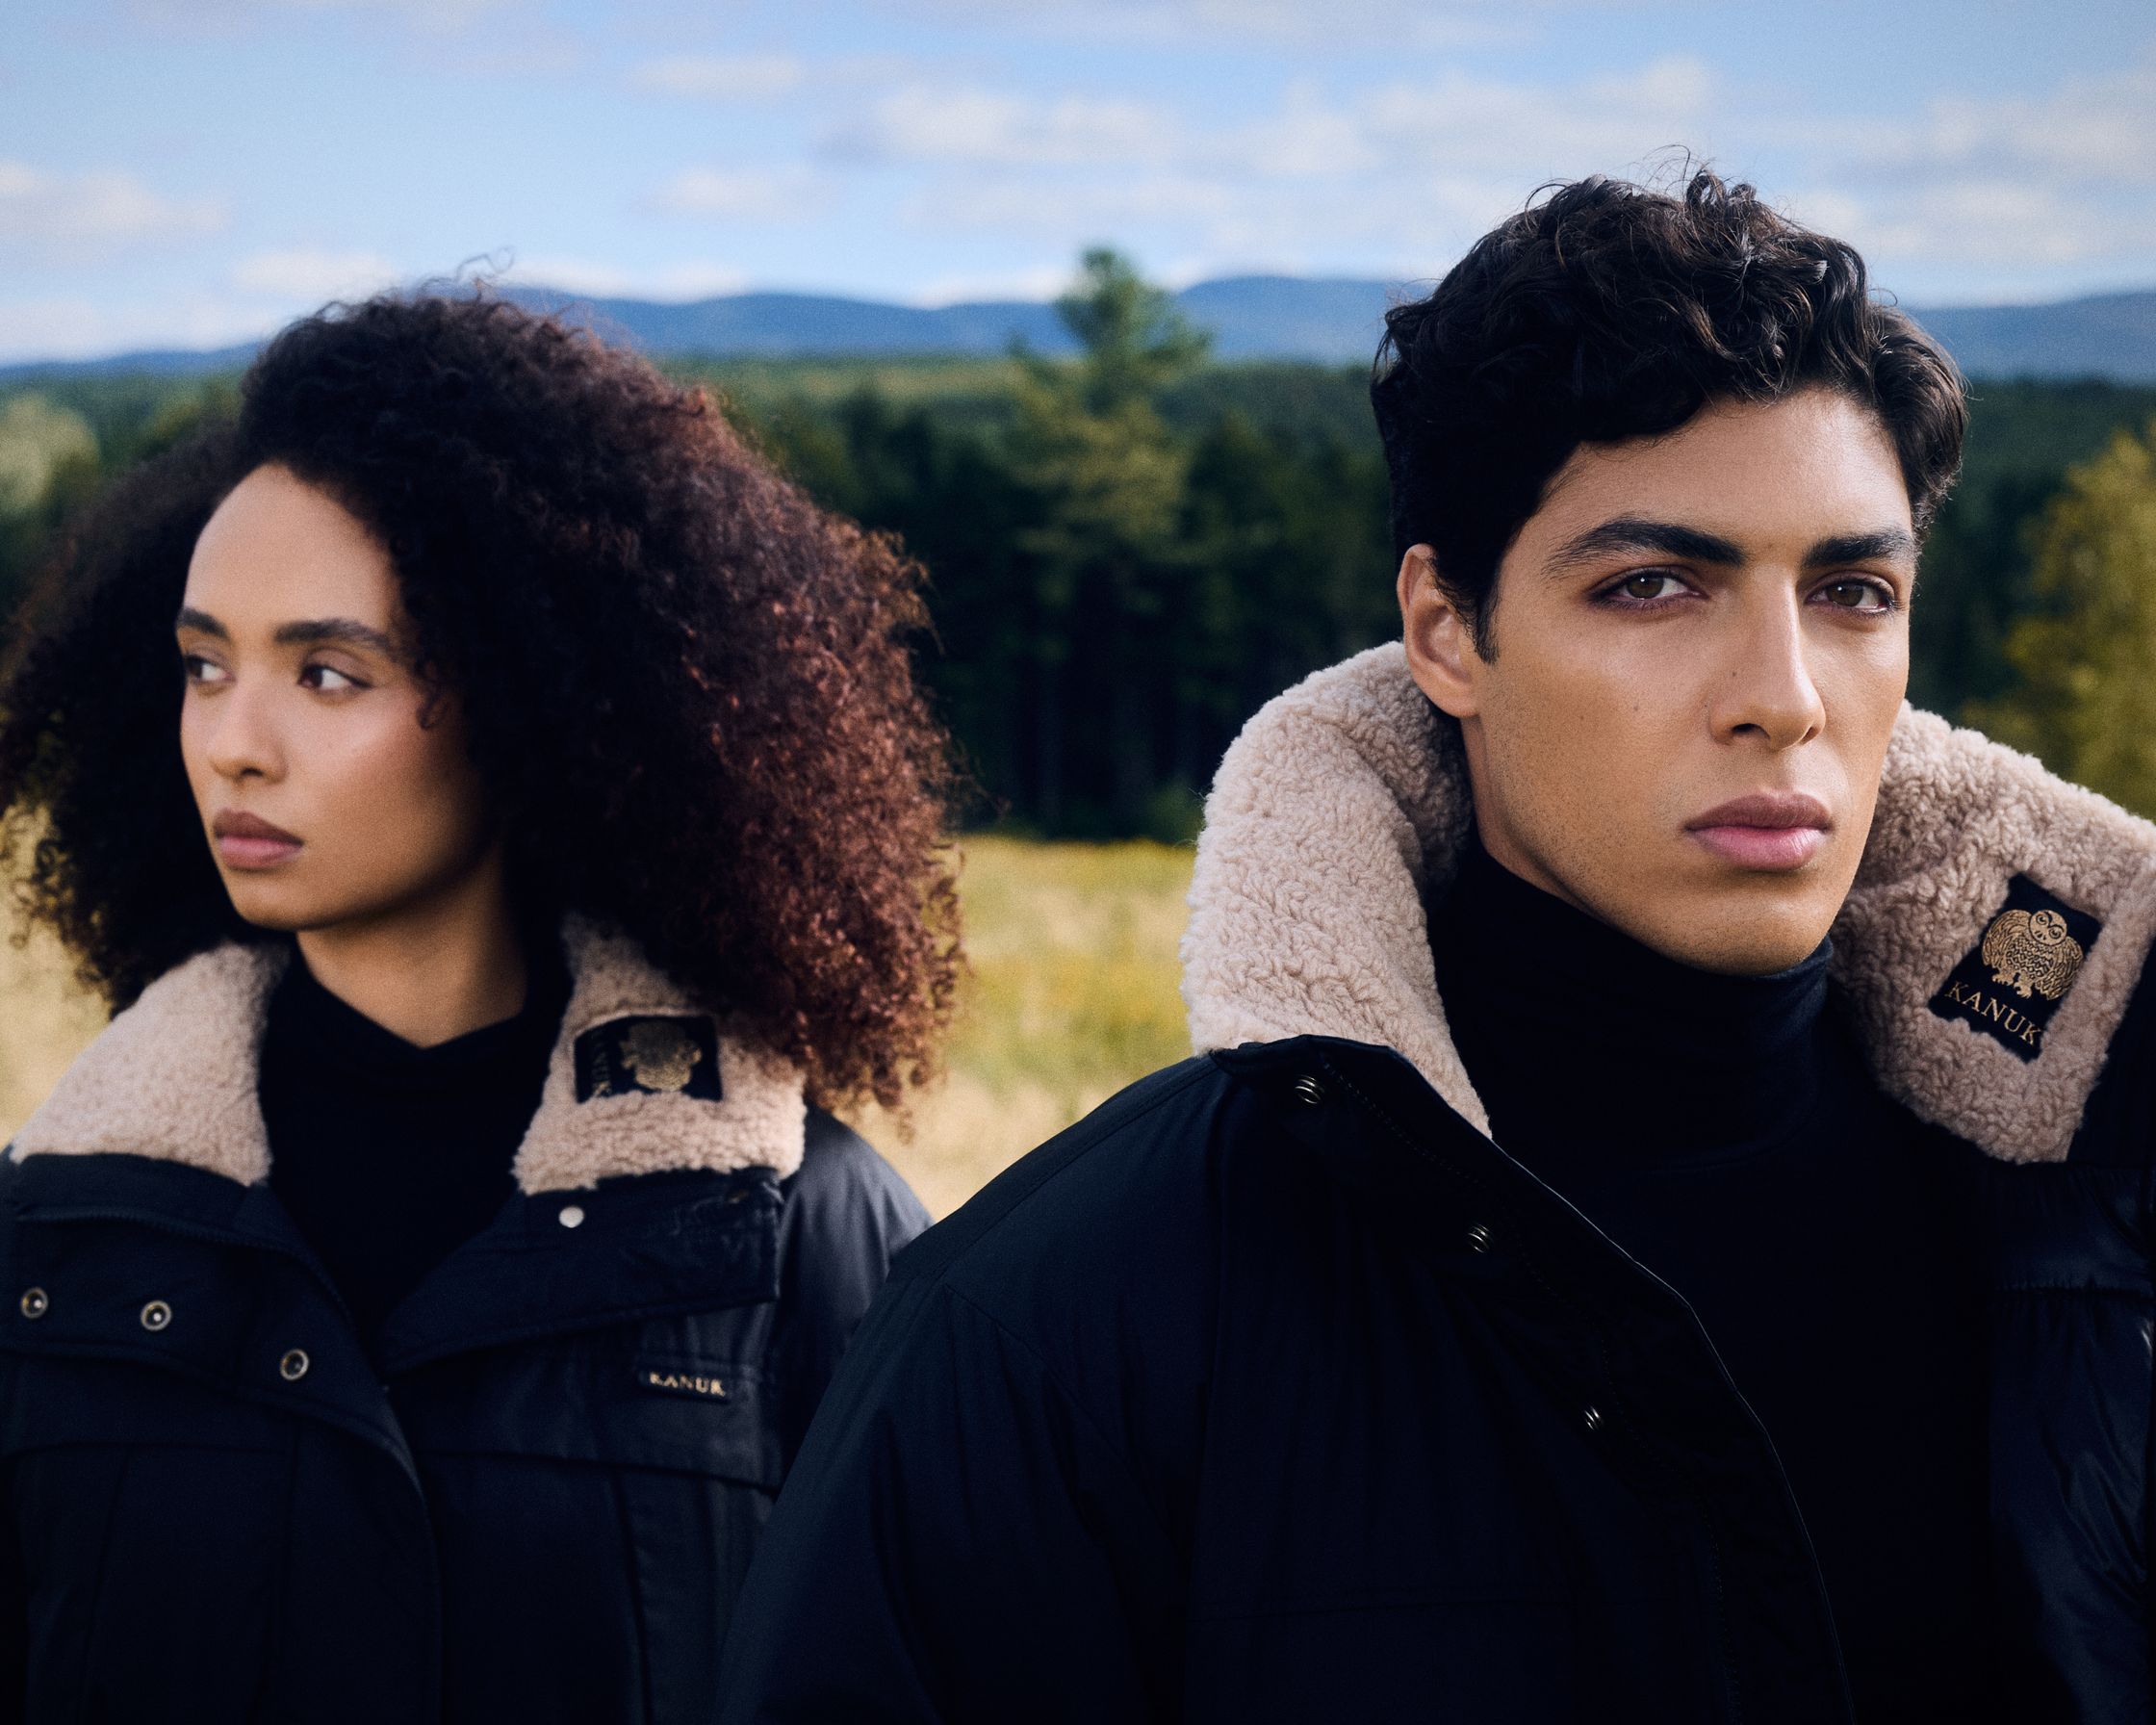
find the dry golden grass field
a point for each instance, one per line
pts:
(1072, 995)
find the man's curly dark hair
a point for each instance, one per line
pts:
(1607, 311)
(689, 690)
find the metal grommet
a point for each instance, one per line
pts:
(293, 1366)
(1478, 1237)
(35, 1303)
(572, 1216)
(1593, 1417)
(1307, 1089)
(156, 1315)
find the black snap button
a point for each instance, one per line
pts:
(1593, 1417)
(35, 1304)
(1307, 1089)
(293, 1366)
(156, 1315)
(1478, 1237)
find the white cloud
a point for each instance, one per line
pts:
(84, 218)
(2009, 187)
(692, 279)
(61, 327)
(214, 18)
(723, 77)
(1407, 173)
(312, 275)
(783, 194)
(925, 123)
(1423, 24)
(1402, 173)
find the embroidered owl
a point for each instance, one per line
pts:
(2033, 952)
(664, 1056)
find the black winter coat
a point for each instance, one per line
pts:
(1276, 1391)
(214, 1509)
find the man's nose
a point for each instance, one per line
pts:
(1767, 688)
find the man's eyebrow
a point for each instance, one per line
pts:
(316, 630)
(1661, 538)
(1863, 548)
(201, 622)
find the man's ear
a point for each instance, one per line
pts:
(1440, 652)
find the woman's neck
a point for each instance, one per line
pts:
(432, 970)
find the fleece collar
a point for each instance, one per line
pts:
(1344, 796)
(173, 1077)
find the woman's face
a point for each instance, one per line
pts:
(326, 801)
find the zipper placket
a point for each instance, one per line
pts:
(1423, 1147)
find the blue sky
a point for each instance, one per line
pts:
(189, 172)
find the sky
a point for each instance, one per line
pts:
(194, 172)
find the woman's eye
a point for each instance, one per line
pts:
(329, 680)
(1650, 584)
(197, 669)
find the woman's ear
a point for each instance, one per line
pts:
(1441, 650)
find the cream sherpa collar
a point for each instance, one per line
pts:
(173, 1077)
(1342, 797)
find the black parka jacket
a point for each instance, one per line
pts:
(540, 1509)
(1277, 1391)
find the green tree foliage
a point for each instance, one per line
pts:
(1130, 551)
(2086, 701)
(1126, 559)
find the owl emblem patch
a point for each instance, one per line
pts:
(657, 1056)
(2031, 953)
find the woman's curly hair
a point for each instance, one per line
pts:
(688, 689)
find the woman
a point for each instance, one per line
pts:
(503, 811)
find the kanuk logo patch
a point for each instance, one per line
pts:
(670, 1380)
(658, 1056)
(2031, 953)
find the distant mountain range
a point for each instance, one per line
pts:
(1251, 317)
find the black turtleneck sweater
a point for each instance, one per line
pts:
(388, 1156)
(1727, 1132)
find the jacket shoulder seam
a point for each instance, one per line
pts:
(1201, 1067)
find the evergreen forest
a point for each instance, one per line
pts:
(1130, 551)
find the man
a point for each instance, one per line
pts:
(1572, 1285)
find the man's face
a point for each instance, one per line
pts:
(1700, 644)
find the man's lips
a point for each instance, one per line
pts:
(1775, 831)
(249, 841)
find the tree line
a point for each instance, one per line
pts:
(1130, 552)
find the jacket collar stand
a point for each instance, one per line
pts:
(1345, 800)
(172, 1078)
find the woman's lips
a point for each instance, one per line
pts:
(247, 842)
(1774, 831)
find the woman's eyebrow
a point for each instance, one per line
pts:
(309, 632)
(315, 631)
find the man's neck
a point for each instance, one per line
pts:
(1568, 1026)
(433, 969)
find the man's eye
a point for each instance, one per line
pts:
(1857, 595)
(1650, 584)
